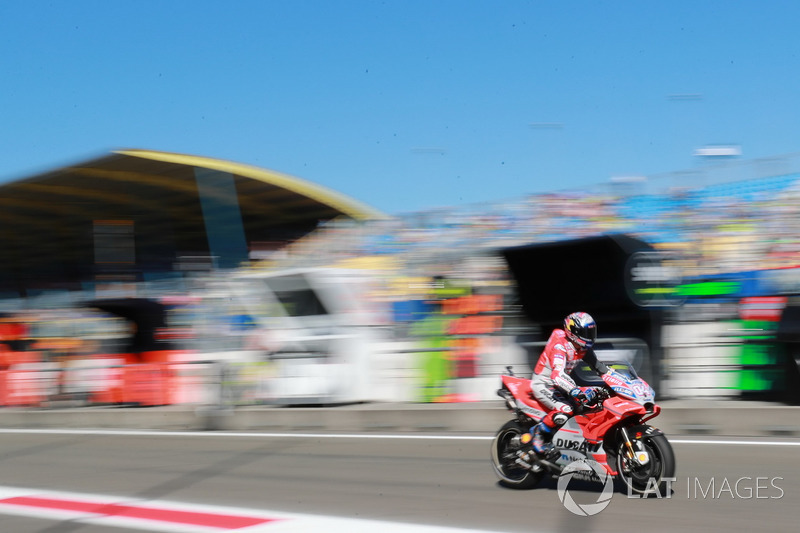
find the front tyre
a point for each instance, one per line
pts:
(651, 478)
(504, 456)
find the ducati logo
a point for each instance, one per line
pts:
(581, 446)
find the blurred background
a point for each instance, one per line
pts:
(243, 286)
(277, 203)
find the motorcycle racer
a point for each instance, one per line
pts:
(552, 385)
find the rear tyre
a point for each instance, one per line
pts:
(504, 455)
(651, 478)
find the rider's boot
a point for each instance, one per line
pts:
(537, 441)
(542, 434)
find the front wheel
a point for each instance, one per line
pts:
(652, 477)
(504, 456)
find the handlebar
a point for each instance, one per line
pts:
(601, 394)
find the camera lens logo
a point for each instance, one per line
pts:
(584, 469)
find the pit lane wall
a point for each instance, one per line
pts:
(678, 418)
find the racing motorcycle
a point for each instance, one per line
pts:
(611, 432)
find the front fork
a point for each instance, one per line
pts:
(633, 455)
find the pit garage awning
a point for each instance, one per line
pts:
(141, 210)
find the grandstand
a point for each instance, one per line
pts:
(723, 227)
(137, 215)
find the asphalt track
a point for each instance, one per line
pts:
(733, 484)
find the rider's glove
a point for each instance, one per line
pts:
(584, 395)
(577, 395)
(593, 395)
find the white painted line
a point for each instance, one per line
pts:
(211, 434)
(735, 442)
(381, 436)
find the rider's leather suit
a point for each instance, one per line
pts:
(551, 383)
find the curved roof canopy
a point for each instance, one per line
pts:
(62, 226)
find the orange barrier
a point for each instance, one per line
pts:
(475, 325)
(464, 357)
(146, 385)
(108, 379)
(102, 379)
(155, 382)
(29, 384)
(472, 305)
(9, 358)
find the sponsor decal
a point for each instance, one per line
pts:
(652, 279)
(579, 445)
(530, 410)
(613, 380)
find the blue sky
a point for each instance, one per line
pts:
(405, 105)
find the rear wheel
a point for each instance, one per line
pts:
(652, 477)
(504, 457)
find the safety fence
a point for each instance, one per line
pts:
(710, 360)
(394, 372)
(106, 381)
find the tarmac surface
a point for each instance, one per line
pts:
(79, 481)
(678, 417)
